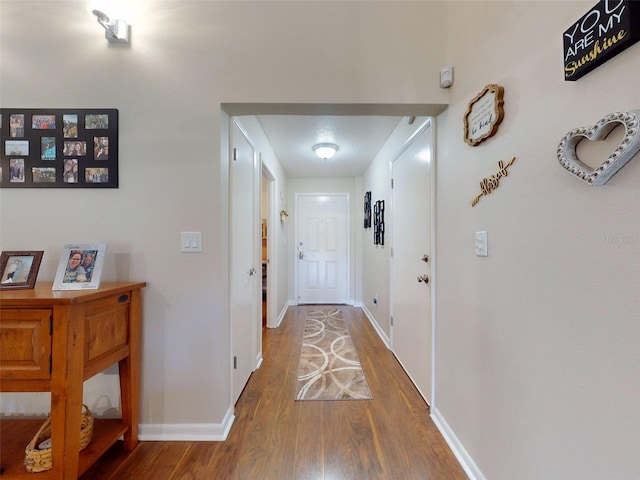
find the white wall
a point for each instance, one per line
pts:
(537, 363)
(185, 60)
(538, 372)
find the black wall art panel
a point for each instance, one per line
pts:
(378, 223)
(367, 210)
(58, 148)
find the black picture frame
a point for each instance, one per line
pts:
(367, 210)
(603, 32)
(378, 223)
(58, 148)
(19, 269)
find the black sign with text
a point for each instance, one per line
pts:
(607, 29)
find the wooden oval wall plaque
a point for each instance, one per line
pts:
(483, 115)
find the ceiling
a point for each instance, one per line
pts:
(358, 137)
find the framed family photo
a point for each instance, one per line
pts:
(19, 269)
(80, 267)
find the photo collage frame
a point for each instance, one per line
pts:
(58, 148)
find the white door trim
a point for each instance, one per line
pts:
(434, 257)
(420, 130)
(347, 197)
(256, 333)
(273, 221)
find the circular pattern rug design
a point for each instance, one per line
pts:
(329, 367)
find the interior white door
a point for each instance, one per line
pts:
(245, 261)
(322, 250)
(411, 260)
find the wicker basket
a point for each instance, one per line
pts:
(39, 460)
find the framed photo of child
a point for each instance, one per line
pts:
(80, 267)
(19, 270)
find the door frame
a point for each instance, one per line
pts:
(256, 334)
(428, 122)
(272, 245)
(347, 198)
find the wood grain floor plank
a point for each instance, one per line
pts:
(275, 437)
(195, 463)
(152, 461)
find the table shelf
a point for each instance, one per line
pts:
(53, 341)
(18, 433)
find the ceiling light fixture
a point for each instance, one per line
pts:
(115, 32)
(325, 150)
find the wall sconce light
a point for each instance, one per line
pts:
(116, 31)
(325, 150)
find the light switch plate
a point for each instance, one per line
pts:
(191, 242)
(482, 248)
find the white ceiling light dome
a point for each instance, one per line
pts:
(325, 150)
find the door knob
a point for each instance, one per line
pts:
(252, 272)
(423, 278)
(301, 255)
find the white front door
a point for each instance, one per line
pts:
(321, 246)
(411, 260)
(245, 261)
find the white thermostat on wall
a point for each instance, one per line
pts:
(446, 77)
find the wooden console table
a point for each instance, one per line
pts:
(53, 342)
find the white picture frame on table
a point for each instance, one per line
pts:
(80, 267)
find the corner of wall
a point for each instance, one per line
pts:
(189, 432)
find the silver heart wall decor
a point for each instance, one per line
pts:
(628, 147)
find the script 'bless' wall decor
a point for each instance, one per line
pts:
(58, 148)
(610, 27)
(626, 150)
(489, 184)
(483, 115)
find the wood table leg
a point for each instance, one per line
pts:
(66, 390)
(130, 375)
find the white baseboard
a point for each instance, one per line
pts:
(280, 316)
(188, 432)
(283, 312)
(383, 336)
(467, 463)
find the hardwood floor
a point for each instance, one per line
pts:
(276, 438)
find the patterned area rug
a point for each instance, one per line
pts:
(329, 368)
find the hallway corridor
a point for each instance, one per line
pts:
(276, 438)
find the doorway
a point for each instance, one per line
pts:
(282, 255)
(412, 258)
(267, 244)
